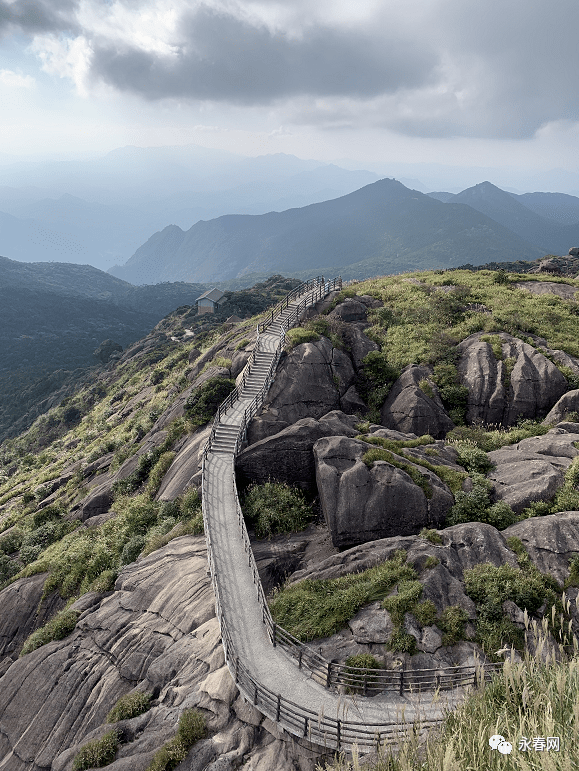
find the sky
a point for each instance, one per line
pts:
(459, 82)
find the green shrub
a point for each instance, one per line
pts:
(201, 405)
(157, 540)
(431, 562)
(242, 343)
(320, 607)
(426, 388)
(573, 577)
(431, 535)
(11, 541)
(401, 603)
(358, 674)
(192, 728)
(131, 550)
(56, 629)
(98, 753)
(489, 586)
(298, 336)
(158, 472)
(275, 507)
(104, 582)
(452, 621)
(130, 705)
(471, 457)
(475, 506)
(425, 612)
(8, 568)
(402, 642)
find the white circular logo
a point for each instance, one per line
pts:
(495, 740)
(505, 748)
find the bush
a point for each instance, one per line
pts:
(452, 621)
(201, 405)
(298, 336)
(471, 457)
(430, 535)
(402, 642)
(401, 603)
(98, 753)
(475, 506)
(431, 562)
(130, 705)
(358, 675)
(320, 607)
(11, 541)
(8, 568)
(275, 508)
(56, 629)
(192, 727)
(425, 612)
(131, 550)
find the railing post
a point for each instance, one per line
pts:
(236, 669)
(278, 708)
(305, 726)
(274, 631)
(329, 675)
(401, 682)
(255, 696)
(300, 659)
(339, 733)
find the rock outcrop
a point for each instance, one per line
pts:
(522, 384)
(534, 469)
(309, 383)
(156, 633)
(567, 404)
(288, 455)
(364, 504)
(411, 410)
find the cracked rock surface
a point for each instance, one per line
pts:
(157, 632)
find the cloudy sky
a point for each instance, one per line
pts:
(466, 82)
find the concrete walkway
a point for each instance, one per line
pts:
(268, 665)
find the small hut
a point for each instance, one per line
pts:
(209, 301)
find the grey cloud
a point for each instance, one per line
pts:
(226, 59)
(38, 16)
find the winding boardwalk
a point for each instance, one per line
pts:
(267, 669)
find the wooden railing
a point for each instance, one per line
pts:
(297, 719)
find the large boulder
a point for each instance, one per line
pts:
(568, 403)
(309, 382)
(550, 541)
(410, 410)
(364, 504)
(535, 383)
(350, 310)
(288, 455)
(359, 345)
(534, 469)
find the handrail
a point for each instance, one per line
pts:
(299, 720)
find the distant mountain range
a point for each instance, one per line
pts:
(100, 211)
(381, 228)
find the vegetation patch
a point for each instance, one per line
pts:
(192, 728)
(360, 672)
(275, 507)
(452, 621)
(98, 753)
(320, 607)
(489, 586)
(57, 628)
(129, 706)
(370, 457)
(431, 535)
(201, 405)
(491, 438)
(476, 506)
(298, 336)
